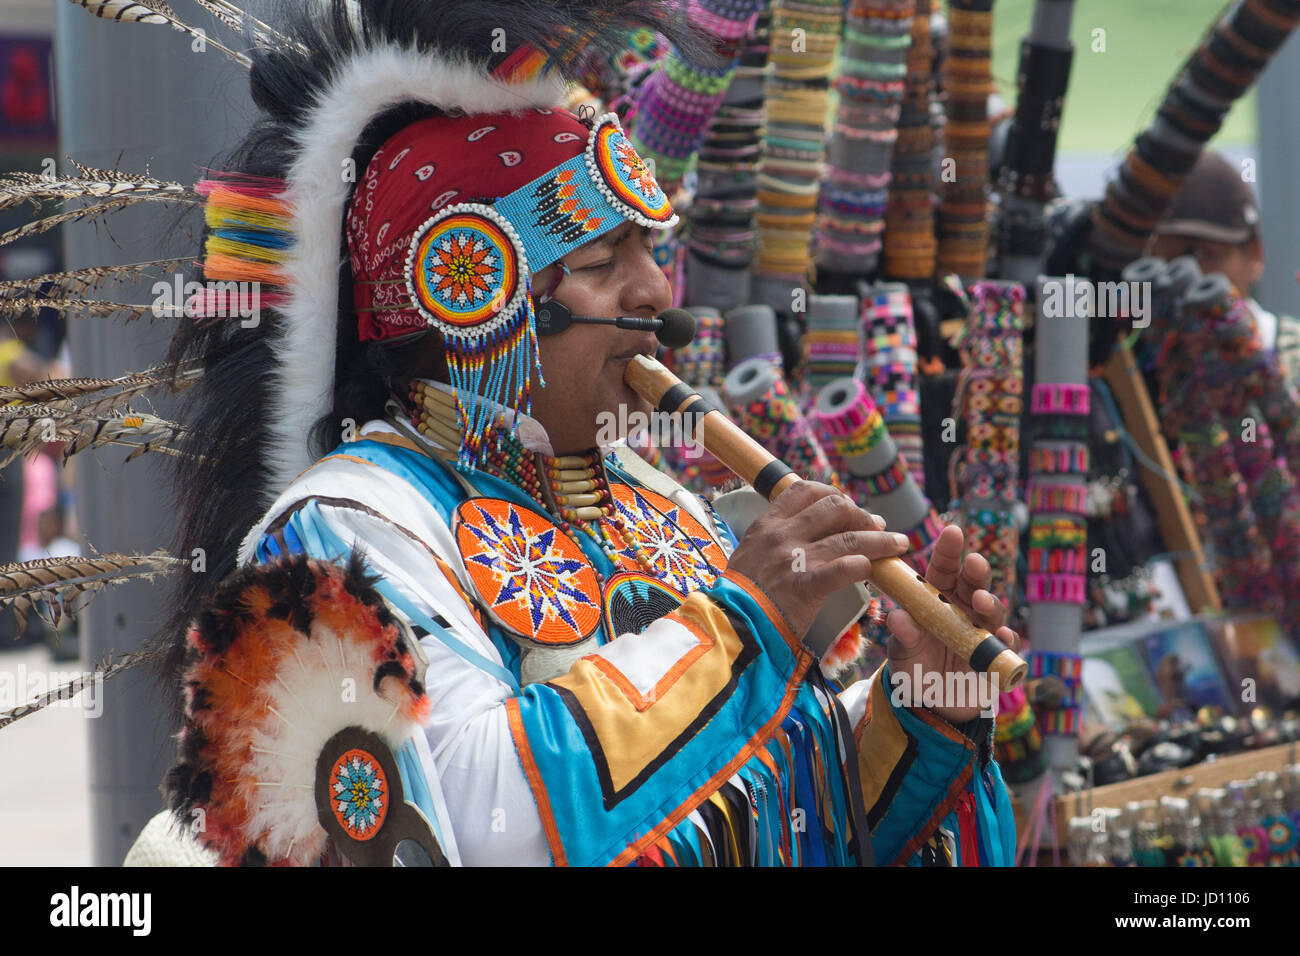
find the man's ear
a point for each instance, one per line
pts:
(1255, 251)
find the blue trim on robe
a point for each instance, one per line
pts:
(593, 835)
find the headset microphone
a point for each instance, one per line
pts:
(673, 327)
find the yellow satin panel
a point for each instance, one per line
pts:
(882, 742)
(634, 729)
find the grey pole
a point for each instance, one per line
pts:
(138, 96)
(1279, 144)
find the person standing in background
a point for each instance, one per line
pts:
(1215, 219)
(19, 365)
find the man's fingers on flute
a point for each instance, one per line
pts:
(976, 576)
(831, 515)
(1008, 637)
(831, 576)
(870, 544)
(801, 495)
(989, 612)
(945, 559)
(904, 633)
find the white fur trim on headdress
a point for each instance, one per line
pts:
(370, 83)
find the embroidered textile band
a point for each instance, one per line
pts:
(1067, 499)
(1056, 398)
(887, 480)
(1056, 588)
(1058, 460)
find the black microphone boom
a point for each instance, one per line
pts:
(673, 327)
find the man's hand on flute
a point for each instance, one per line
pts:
(966, 584)
(809, 543)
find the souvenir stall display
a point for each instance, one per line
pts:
(909, 241)
(963, 221)
(877, 38)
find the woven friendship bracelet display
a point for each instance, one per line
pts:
(873, 66)
(1056, 582)
(804, 42)
(988, 400)
(967, 76)
(1244, 384)
(722, 233)
(1056, 498)
(703, 360)
(1058, 459)
(1068, 670)
(870, 465)
(1205, 450)
(1017, 742)
(676, 102)
(1043, 80)
(1027, 181)
(887, 360)
(830, 344)
(1053, 398)
(674, 105)
(757, 392)
(910, 244)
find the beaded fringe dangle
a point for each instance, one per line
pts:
(490, 374)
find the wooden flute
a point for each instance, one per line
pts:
(727, 442)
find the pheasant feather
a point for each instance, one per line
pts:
(154, 11)
(95, 308)
(60, 581)
(142, 431)
(73, 687)
(92, 211)
(74, 284)
(248, 25)
(91, 183)
(25, 428)
(122, 11)
(86, 396)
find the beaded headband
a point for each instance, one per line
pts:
(465, 270)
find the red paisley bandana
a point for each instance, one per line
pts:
(436, 161)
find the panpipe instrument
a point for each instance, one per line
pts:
(769, 476)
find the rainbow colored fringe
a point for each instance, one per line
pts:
(510, 355)
(250, 231)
